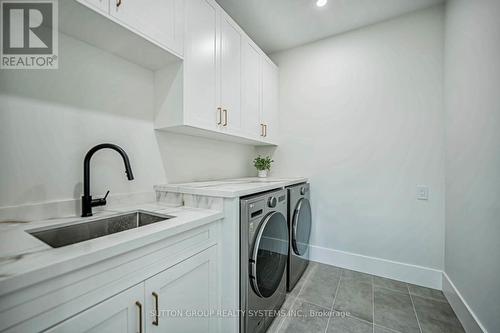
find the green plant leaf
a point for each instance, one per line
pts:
(263, 163)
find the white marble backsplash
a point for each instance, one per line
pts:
(190, 200)
(170, 198)
(67, 208)
(202, 201)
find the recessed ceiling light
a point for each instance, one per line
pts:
(321, 3)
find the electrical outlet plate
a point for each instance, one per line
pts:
(422, 192)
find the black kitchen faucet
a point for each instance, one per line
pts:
(87, 201)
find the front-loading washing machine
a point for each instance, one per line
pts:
(299, 222)
(263, 258)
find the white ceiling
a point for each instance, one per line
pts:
(277, 25)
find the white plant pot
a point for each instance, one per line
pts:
(262, 173)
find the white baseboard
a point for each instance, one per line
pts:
(419, 275)
(464, 313)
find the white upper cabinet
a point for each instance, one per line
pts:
(102, 5)
(160, 20)
(230, 64)
(251, 90)
(270, 101)
(229, 85)
(216, 82)
(200, 65)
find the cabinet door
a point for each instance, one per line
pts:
(230, 55)
(200, 69)
(121, 313)
(160, 20)
(102, 5)
(270, 100)
(250, 90)
(186, 288)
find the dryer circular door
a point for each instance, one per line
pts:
(269, 255)
(301, 227)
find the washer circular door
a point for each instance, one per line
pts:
(301, 227)
(269, 255)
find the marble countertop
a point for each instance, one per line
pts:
(230, 188)
(26, 260)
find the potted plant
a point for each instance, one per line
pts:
(263, 165)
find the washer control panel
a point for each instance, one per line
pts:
(271, 202)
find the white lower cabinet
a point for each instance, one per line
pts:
(183, 296)
(121, 313)
(177, 299)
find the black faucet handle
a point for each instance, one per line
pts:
(101, 201)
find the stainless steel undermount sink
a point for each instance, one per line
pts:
(76, 233)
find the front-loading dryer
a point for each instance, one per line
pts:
(299, 222)
(263, 259)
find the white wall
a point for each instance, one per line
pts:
(50, 118)
(189, 158)
(362, 117)
(473, 155)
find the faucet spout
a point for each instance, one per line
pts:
(87, 201)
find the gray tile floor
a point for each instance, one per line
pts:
(329, 299)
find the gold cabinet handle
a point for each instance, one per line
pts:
(219, 111)
(118, 3)
(262, 130)
(156, 321)
(139, 306)
(265, 130)
(225, 117)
